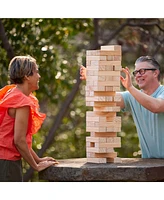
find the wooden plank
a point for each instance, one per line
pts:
(99, 149)
(97, 160)
(103, 134)
(101, 155)
(111, 47)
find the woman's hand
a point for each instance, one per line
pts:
(47, 159)
(45, 164)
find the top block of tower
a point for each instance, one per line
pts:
(111, 48)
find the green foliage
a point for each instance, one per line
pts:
(59, 46)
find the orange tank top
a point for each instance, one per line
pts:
(11, 97)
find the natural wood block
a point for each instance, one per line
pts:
(105, 141)
(115, 88)
(116, 58)
(96, 119)
(93, 72)
(88, 58)
(107, 109)
(103, 123)
(103, 129)
(102, 88)
(101, 155)
(111, 48)
(97, 129)
(104, 160)
(117, 97)
(97, 160)
(99, 149)
(104, 93)
(99, 98)
(96, 139)
(103, 134)
(99, 114)
(98, 68)
(104, 83)
(103, 119)
(96, 150)
(114, 160)
(104, 51)
(109, 145)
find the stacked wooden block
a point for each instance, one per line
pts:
(102, 83)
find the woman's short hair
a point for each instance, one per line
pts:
(19, 67)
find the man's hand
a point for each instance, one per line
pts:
(126, 82)
(82, 73)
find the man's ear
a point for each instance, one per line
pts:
(156, 73)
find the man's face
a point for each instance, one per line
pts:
(144, 78)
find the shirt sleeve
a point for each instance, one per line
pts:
(126, 98)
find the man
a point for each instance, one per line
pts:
(145, 105)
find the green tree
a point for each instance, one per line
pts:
(59, 46)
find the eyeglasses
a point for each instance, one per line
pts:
(142, 71)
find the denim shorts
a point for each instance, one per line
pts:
(11, 171)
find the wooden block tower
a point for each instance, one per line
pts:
(102, 83)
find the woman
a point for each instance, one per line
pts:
(19, 120)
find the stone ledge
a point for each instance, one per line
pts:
(131, 169)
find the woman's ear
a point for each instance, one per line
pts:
(26, 77)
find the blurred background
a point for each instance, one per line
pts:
(59, 46)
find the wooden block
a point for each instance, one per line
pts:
(98, 63)
(104, 93)
(102, 88)
(103, 123)
(96, 58)
(114, 160)
(103, 134)
(104, 119)
(117, 67)
(103, 62)
(116, 51)
(111, 129)
(117, 97)
(98, 68)
(113, 57)
(107, 109)
(96, 139)
(115, 88)
(116, 119)
(98, 129)
(101, 155)
(99, 98)
(111, 47)
(94, 72)
(99, 113)
(104, 83)
(97, 160)
(103, 129)
(96, 150)
(104, 104)
(96, 119)
(99, 149)
(104, 160)
(107, 145)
